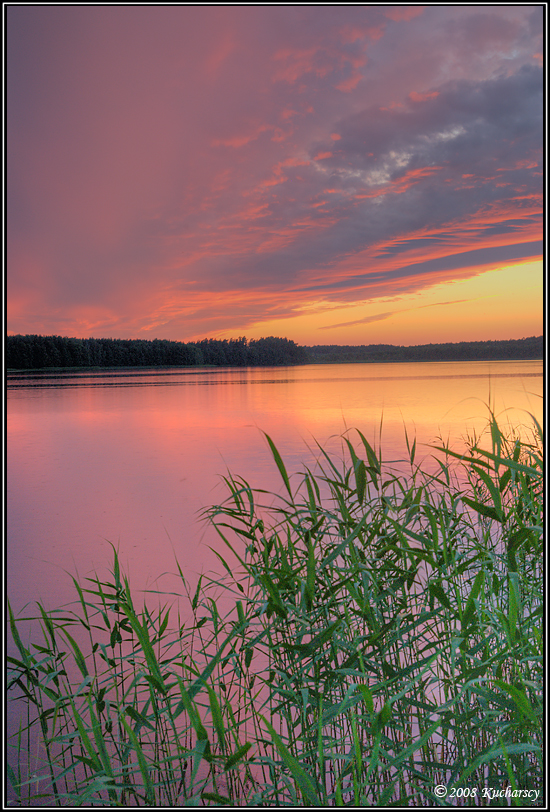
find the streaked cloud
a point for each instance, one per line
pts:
(366, 320)
(389, 314)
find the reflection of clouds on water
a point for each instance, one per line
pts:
(135, 464)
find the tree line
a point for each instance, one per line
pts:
(505, 350)
(39, 352)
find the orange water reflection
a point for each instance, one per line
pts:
(132, 457)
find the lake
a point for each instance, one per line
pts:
(131, 456)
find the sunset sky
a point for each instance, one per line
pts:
(333, 174)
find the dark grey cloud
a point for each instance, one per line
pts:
(406, 245)
(467, 127)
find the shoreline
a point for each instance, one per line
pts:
(84, 369)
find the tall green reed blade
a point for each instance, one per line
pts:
(140, 629)
(142, 761)
(279, 462)
(302, 779)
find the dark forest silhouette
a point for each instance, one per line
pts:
(40, 352)
(506, 350)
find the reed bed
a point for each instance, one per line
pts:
(383, 638)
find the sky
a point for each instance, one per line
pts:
(353, 174)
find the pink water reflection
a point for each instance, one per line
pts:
(132, 459)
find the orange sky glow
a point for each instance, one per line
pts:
(332, 174)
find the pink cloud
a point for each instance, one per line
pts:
(419, 97)
(403, 13)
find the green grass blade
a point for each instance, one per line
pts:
(279, 462)
(296, 770)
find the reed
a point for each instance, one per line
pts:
(383, 637)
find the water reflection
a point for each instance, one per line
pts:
(253, 375)
(132, 456)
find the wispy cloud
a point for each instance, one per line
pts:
(365, 320)
(389, 314)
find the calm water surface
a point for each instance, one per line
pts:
(132, 456)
